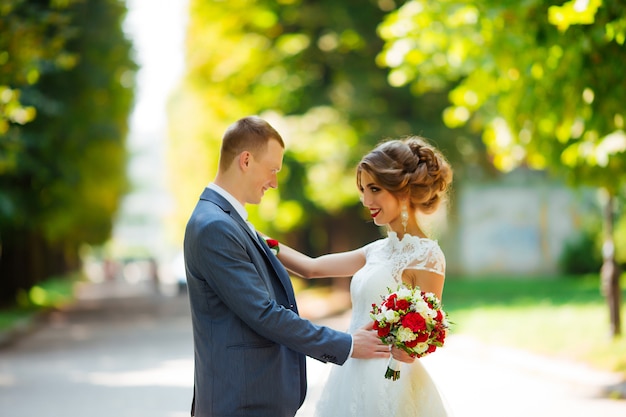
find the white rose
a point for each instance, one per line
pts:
(421, 307)
(390, 316)
(404, 292)
(405, 335)
(432, 313)
(421, 347)
(378, 317)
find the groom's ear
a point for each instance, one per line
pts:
(244, 160)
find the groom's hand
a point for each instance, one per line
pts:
(367, 345)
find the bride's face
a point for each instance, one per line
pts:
(383, 206)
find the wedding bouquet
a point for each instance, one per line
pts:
(411, 320)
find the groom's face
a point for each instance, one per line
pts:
(262, 171)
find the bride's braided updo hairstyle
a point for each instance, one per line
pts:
(410, 168)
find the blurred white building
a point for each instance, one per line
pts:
(517, 225)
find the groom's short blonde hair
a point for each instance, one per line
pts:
(250, 134)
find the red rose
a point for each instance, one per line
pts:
(412, 343)
(272, 243)
(439, 316)
(390, 302)
(382, 331)
(422, 337)
(414, 321)
(431, 348)
(402, 305)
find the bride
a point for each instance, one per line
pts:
(397, 180)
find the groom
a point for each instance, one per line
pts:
(249, 342)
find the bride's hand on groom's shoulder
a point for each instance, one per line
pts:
(401, 356)
(367, 345)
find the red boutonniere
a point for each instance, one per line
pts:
(273, 244)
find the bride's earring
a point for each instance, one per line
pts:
(404, 217)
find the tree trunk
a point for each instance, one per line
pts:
(18, 266)
(26, 259)
(610, 271)
(9, 273)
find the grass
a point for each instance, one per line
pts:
(52, 293)
(565, 317)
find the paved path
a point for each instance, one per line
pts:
(129, 355)
(126, 356)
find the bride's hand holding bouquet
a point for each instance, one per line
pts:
(401, 355)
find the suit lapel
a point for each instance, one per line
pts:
(214, 197)
(279, 269)
(281, 272)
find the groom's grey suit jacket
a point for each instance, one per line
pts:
(249, 342)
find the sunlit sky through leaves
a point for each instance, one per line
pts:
(157, 31)
(156, 28)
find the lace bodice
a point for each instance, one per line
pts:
(386, 259)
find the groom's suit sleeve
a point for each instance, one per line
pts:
(226, 256)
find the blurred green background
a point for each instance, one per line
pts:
(525, 99)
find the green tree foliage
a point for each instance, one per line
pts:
(67, 172)
(32, 40)
(542, 80)
(309, 67)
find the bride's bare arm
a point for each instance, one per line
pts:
(342, 264)
(426, 280)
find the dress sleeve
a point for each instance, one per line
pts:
(370, 247)
(429, 257)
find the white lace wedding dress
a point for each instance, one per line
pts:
(359, 388)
